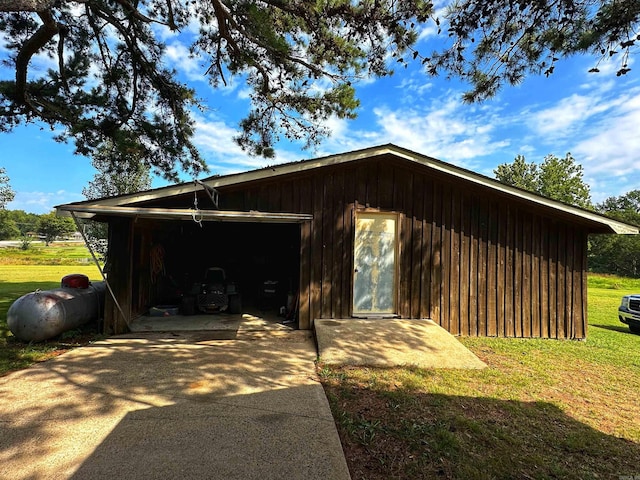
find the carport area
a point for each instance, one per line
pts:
(171, 260)
(247, 321)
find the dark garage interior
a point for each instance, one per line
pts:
(261, 259)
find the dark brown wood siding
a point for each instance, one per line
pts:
(475, 261)
(118, 270)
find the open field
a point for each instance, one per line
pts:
(543, 408)
(58, 253)
(22, 272)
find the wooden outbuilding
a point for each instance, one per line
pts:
(379, 232)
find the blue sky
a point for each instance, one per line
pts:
(596, 117)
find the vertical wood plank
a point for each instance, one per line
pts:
(568, 285)
(560, 281)
(436, 255)
(526, 275)
(274, 196)
(501, 322)
(544, 281)
(454, 265)
(509, 313)
(517, 275)
(316, 249)
(465, 263)
(372, 184)
(446, 259)
(536, 327)
(483, 249)
(306, 206)
(286, 197)
(407, 263)
(427, 248)
(348, 236)
(553, 283)
(492, 271)
(361, 186)
(581, 331)
(338, 264)
(327, 245)
(386, 185)
(262, 198)
(474, 266)
(417, 288)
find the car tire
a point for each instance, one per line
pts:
(634, 329)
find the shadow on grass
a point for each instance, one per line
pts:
(615, 328)
(416, 436)
(21, 288)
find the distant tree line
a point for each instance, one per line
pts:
(18, 224)
(562, 179)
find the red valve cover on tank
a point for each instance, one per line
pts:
(75, 280)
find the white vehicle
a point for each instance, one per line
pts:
(629, 312)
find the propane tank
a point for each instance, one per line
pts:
(41, 315)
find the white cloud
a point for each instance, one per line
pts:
(599, 126)
(611, 144)
(214, 139)
(447, 130)
(181, 59)
(569, 115)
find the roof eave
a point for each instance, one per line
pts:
(604, 224)
(183, 214)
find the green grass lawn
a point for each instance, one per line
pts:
(543, 408)
(22, 272)
(58, 253)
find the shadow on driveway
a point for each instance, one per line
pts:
(171, 406)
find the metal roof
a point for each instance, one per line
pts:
(284, 169)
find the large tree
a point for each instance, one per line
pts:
(8, 227)
(556, 178)
(299, 58)
(111, 83)
(52, 227)
(501, 41)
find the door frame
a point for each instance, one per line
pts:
(397, 252)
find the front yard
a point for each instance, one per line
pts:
(543, 408)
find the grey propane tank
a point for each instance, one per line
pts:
(41, 315)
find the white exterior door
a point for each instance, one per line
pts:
(375, 259)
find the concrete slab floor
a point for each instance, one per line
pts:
(172, 405)
(250, 320)
(391, 342)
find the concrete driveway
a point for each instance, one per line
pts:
(184, 406)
